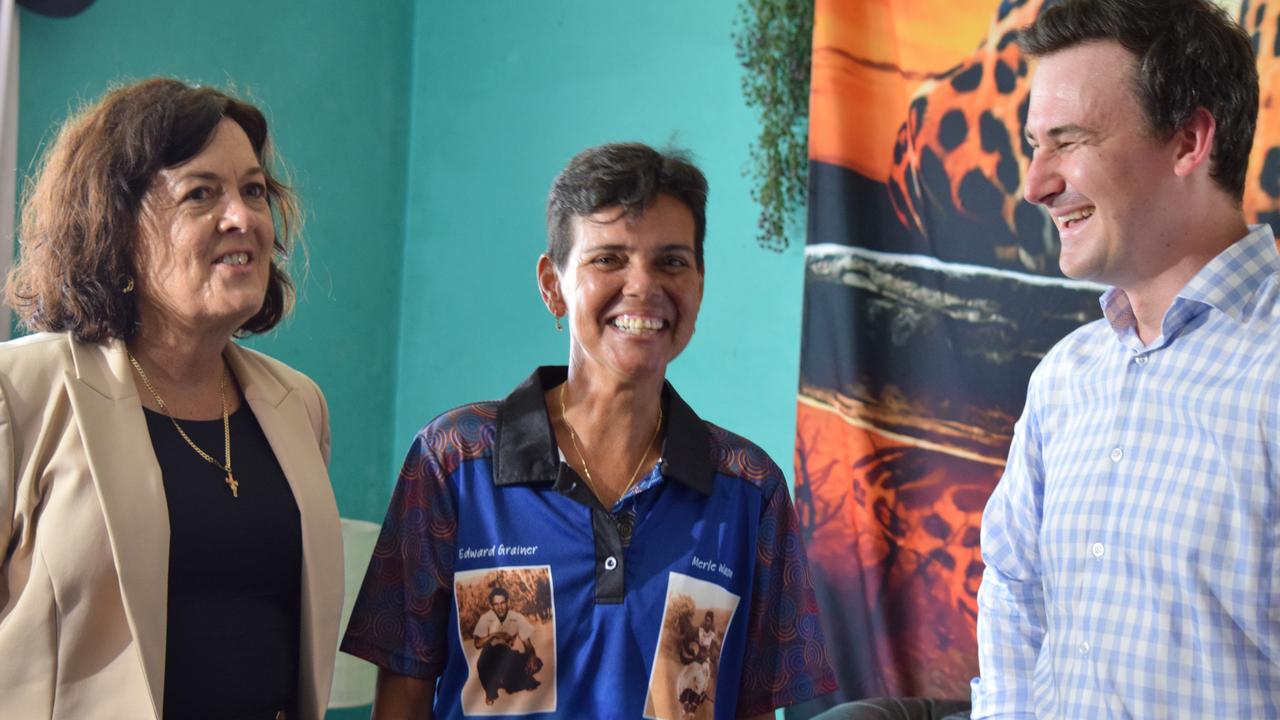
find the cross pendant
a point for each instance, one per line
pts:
(235, 486)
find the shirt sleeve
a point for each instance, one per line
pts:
(1011, 612)
(525, 630)
(401, 616)
(786, 661)
(482, 627)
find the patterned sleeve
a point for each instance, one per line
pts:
(1011, 612)
(786, 662)
(401, 616)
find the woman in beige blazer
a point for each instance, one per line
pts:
(171, 545)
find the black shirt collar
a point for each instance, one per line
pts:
(526, 446)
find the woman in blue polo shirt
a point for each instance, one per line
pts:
(605, 510)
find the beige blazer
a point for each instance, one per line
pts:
(84, 529)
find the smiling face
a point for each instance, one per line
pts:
(631, 289)
(499, 605)
(205, 239)
(1108, 183)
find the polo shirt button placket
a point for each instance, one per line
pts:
(626, 526)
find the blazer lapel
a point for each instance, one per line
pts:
(281, 412)
(131, 490)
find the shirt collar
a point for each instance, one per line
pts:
(1227, 283)
(1230, 280)
(526, 447)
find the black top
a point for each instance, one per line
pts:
(235, 568)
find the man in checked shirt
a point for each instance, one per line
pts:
(1133, 569)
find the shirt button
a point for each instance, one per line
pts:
(1116, 454)
(1084, 648)
(610, 563)
(1098, 550)
(1141, 359)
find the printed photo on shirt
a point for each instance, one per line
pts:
(506, 624)
(682, 684)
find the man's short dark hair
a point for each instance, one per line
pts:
(1190, 54)
(498, 592)
(625, 175)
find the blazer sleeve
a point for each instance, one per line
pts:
(8, 493)
(320, 417)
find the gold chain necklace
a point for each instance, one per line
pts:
(573, 437)
(226, 425)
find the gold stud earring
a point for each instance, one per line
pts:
(128, 286)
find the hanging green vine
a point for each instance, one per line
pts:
(774, 41)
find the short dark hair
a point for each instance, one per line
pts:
(80, 215)
(498, 592)
(627, 175)
(1190, 54)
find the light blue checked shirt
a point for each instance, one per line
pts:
(1131, 545)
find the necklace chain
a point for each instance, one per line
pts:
(226, 425)
(573, 437)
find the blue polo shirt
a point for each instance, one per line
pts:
(616, 596)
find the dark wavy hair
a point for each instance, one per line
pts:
(80, 216)
(626, 175)
(1190, 54)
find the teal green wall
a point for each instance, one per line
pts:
(505, 92)
(334, 83)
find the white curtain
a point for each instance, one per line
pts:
(8, 141)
